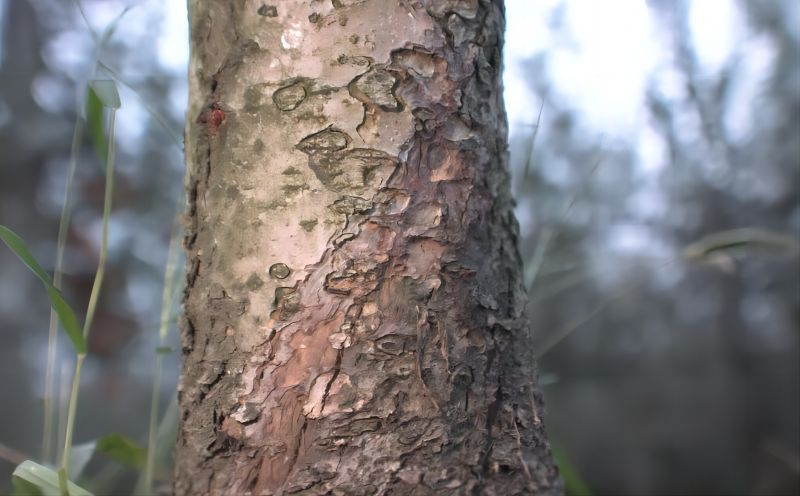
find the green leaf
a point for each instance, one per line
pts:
(65, 314)
(164, 350)
(106, 91)
(29, 475)
(96, 124)
(24, 488)
(121, 449)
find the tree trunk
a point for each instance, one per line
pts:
(354, 308)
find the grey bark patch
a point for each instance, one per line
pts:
(286, 302)
(376, 87)
(460, 30)
(359, 60)
(308, 225)
(252, 96)
(232, 192)
(293, 189)
(339, 169)
(392, 201)
(279, 271)
(326, 141)
(357, 427)
(348, 205)
(289, 97)
(416, 61)
(246, 413)
(354, 280)
(391, 344)
(254, 282)
(340, 4)
(268, 11)
(467, 9)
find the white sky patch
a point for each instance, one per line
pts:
(748, 85)
(129, 121)
(715, 28)
(136, 23)
(652, 151)
(173, 40)
(526, 34)
(611, 49)
(101, 14)
(178, 98)
(636, 239)
(605, 74)
(601, 68)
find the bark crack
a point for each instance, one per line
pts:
(336, 369)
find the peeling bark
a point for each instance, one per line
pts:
(354, 307)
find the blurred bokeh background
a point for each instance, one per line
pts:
(638, 128)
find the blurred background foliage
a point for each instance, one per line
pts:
(637, 129)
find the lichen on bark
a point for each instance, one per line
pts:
(354, 309)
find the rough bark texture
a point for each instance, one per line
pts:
(354, 312)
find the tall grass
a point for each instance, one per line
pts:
(34, 478)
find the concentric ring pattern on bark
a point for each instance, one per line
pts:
(354, 311)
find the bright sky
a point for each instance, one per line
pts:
(601, 62)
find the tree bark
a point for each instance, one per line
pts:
(354, 309)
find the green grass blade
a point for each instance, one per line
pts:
(93, 298)
(65, 314)
(532, 269)
(101, 264)
(17, 245)
(171, 270)
(73, 407)
(533, 141)
(106, 91)
(94, 118)
(24, 488)
(122, 450)
(102, 94)
(52, 339)
(162, 449)
(45, 479)
(67, 318)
